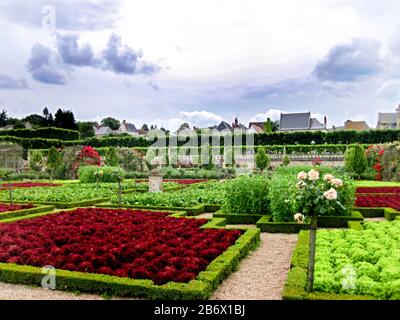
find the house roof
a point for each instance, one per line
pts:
(257, 126)
(102, 130)
(387, 117)
(129, 127)
(295, 121)
(315, 124)
(356, 125)
(224, 126)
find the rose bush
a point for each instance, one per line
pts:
(323, 194)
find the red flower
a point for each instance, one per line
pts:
(119, 242)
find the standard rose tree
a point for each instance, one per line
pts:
(317, 195)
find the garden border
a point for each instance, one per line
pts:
(24, 212)
(200, 288)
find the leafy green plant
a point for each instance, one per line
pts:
(282, 206)
(247, 195)
(285, 160)
(87, 174)
(371, 254)
(36, 161)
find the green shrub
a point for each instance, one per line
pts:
(53, 161)
(112, 158)
(262, 160)
(282, 206)
(247, 195)
(285, 160)
(356, 160)
(87, 174)
(36, 161)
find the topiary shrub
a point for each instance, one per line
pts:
(262, 159)
(247, 195)
(112, 158)
(355, 160)
(88, 174)
(282, 206)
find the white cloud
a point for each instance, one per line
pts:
(201, 118)
(389, 90)
(273, 114)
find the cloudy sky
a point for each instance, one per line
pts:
(168, 62)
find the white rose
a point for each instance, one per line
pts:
(328, 177)
(299, 218)
(331, 194)
(313, 175)
(337, 182)
(302, 175)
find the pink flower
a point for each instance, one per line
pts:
(302, 175)
(313, 175)
(331, 194)
(337, 182)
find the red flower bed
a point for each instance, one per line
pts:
(378, 190)
(29, 185)
(124, 243)
(392, 201)
(15, 207)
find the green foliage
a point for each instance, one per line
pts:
(114, 124)
(282, 206)
(45, 133)
(65, 119)
(112, 158)
(87, 174)
(356, 160)
(285, 160)
(70, 192)
(86, 129)
(53, 160)
(211, 193)
(262, 159)
(247, 195)
(372, 252)
(36, 161)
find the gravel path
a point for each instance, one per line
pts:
(374, 219)
(262, 274)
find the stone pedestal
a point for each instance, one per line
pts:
(155, 183)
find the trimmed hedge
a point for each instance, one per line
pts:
(296, 281)
(25, 212)
(199, 289)
(267, 225)
(45, 133)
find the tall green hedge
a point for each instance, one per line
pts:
(45, 133)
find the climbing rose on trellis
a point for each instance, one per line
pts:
(374, 155)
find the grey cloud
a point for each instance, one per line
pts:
(73, 54)
(70, 15)
(123, 59)
(350, 62)
(45, 67)
(8, 82)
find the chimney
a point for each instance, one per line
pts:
(123, 121)
(325, 122)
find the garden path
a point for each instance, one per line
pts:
(262, 274)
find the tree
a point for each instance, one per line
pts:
(114, 124)
(184, 126)
(86, 129)
(268, 126)
(356, 160)
(3, 118)
(112, 158)
(53, 161)
(16, 123)
(262, 159)
(36, 162)
(35, 120)
(65, 119)
(145, 127)
(48, 118)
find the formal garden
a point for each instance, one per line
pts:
(113, 222)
